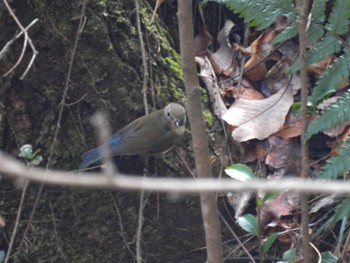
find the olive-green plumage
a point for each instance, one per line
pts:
(152, 134)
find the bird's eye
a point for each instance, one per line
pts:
(168, 114)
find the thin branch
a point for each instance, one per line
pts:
(121, 226)
(101, 124)
(144, 57)
(62, 105)
(26, 39)
(139, 227)
(237, 238)
(303, 7)
(9, 43)
(19, 212)
(199, 136)
(56, 234)
(11, 167)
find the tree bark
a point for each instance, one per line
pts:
(199, 136)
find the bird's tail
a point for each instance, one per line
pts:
(89, 157)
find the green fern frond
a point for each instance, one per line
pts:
(339, 18)
(290, 32)
(338, 164)
(318, 11)
(338, 72)
(261, 13)
(335, 114)
(330, 44)
(314, 34)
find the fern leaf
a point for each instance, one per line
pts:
(330, 44)
(318, 11)
(332, 77)
(342, 210)
(261, 13)
(288, 33)
(338, 164)
(335, 114)
(339, 18)
(314, 34)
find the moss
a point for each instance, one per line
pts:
(168, 59)
(208, 117)
(175, 66)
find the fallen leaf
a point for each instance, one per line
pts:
(202, 42)
(246, 91)
(282, 205)
(222, 59)
(292, 127)
(276, 78)
(323, 202)
(209, 79)
(258, 119)
(319, 67)
(239, 201)
(258, 51)
(284, 156)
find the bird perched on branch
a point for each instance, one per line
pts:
(152, 134)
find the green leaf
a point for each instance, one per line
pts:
(289, 255)
(37, 160)
(318, 11)
(269, 242)
(337, 73)
(339, 18)
(335, 114)
(328, 257)
(314, 34)
(249, 223)
(270, 195)
(240, 172)
(338, 164)
(330, 44)
(26, 151)
(288, 33)
(342, 210)
(260, 13)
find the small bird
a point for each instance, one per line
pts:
(152, 134)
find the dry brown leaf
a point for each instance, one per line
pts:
(318, 68)
(282, 205)
(284, 156)
(292, 127)
(202, 42)
(209, 79)
(258, 51)
(256, 150)
(239, 201)
(258, 119)
(246, 91)
(222, 59)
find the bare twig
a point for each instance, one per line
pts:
(144, 57)
(11, 167)
(62, 104)
(142, 204)
(101, 124)
(19, 212)
(27, 39)
(56, 234)
(304, 7)
(9, 43)
(237, 238)
(121, 225)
